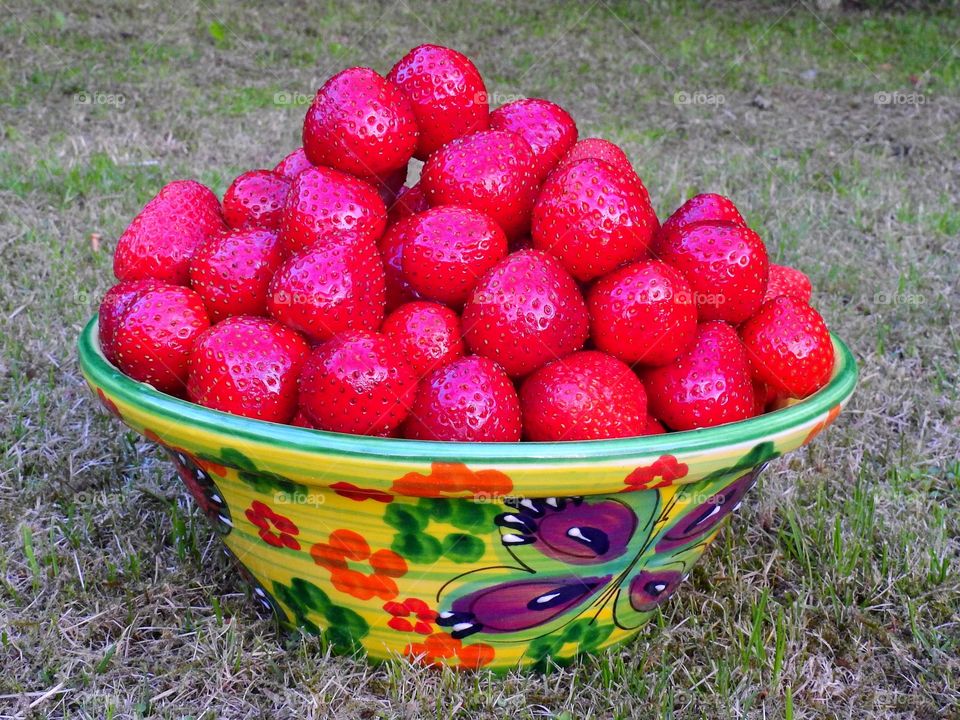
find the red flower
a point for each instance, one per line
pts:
(266, 519)
(412, 615)
(665, 467)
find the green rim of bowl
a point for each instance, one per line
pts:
(101, 373)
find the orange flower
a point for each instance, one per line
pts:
(820, 426)
(411, 615)
(441, 646)
(447, 479)
(346, 546)
(665, 467)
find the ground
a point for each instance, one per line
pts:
(833, 594)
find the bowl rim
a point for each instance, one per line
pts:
(100, 373)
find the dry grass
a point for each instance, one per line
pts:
(834, 594)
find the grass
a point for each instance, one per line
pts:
(835, 592)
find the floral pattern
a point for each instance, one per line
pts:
(274, 529)
(665, 467)
(452, 479)
(346, 547)
(411, 615)
(443, 649)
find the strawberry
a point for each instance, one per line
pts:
(293, 164)
(410, 201)
(587, 395)
(156, 333)
(300, 419)
(789, 347)
(448, 249)
(654, 426)
(391, 246)
(114, 306)
(788, 281)
(548, 128)
(164, 235)
(525, 312)
(325, 204)
(598, 149)
(489, 171)
(256, 199)
(390, 185)
(763, 396)
(707, 206)
(707, 385)
(593, 218)
(247, 366)
(643, 313)
(428, 335)
(726, 266)
(231, 272)
(447, 93)
(332, 287)
(469, 400)
(357, 382)
(360, 123)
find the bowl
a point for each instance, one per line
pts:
(469, 555)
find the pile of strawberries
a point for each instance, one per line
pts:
(522, 289)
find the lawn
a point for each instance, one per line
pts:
(835, 591)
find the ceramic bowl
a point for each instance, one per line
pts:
(470, 555)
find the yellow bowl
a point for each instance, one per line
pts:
(487, 555)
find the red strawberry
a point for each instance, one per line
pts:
(256, 199)
(598, 149)
(410, 201)
(325, 205)
(763, 396)
(164, 235)
(643, 313)
(357, 382)
(447, 250)
(789, 347)
(114, 306)
(391, 246)
(428, 335)
(300, 419)
(593, 218)
(548, 128)
(447, 93)
(231, 272)
(489, 171)
(156, 333)
(654, 426)
(726, 266)
(707, 206)
(525, 312)
(469, 400)
(293, 164)
(707, 385)
(247, 366)
(332, 287)
(788, 281)
(360, 123)
(390, 185)
(584, 396)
